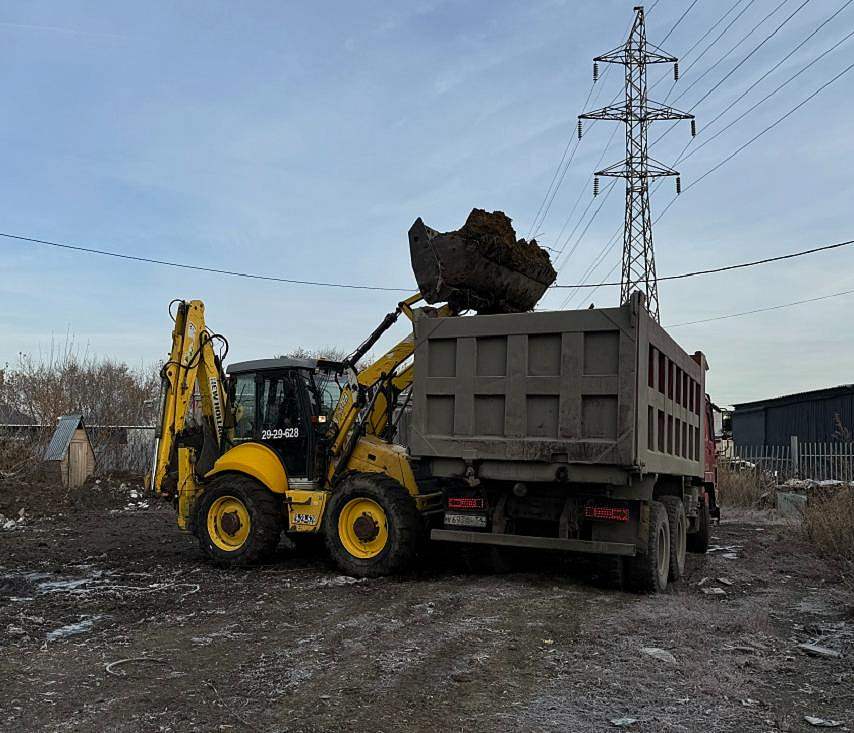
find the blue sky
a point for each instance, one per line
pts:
(302, 139)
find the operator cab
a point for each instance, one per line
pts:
(286, 404)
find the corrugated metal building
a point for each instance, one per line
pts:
(811, 416)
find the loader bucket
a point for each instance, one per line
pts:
(481, 266)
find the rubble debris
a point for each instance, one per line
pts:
(341, 580)
(623, 722)
(819, 651)
(80, 627)
(661, 654)
(481, 266)
(822, 723)
(714, 591)
(725, 581)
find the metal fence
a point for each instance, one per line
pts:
(773, 460)
(816, 461)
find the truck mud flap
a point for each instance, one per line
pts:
(542, 543)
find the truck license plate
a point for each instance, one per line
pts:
(465, 520)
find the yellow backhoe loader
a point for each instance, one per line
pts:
(307, 446)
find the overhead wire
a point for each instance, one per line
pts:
(762, 310)
(731, 71)
(684, 90)
(712, 44)
(768, 96)
(752, 140)
(737, 266)
(185, 266)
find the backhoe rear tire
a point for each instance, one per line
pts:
(647, 572)
(372, 526)
(238, 521)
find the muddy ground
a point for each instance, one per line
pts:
(97, 578)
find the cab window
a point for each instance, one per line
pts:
(245, 408)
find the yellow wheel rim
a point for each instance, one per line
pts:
(363, 528)
(229, 523)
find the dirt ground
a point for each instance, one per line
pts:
(110, 620)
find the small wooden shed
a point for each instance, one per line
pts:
(70, 457)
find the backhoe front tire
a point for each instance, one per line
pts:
(372, 526)
(647, 572)
(238, 521)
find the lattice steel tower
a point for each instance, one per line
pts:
(638, 168)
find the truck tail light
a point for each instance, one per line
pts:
(610, 513)
(464, 502)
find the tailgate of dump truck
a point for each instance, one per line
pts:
(605, 388)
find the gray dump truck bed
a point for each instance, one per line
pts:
(596, 392)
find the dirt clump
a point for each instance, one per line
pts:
(493, 233)
(481, 266)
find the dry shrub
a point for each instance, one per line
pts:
(67, 380)
(829, 522)
(745, 486)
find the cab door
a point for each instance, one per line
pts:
(283, 423)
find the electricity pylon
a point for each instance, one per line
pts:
(638, 168)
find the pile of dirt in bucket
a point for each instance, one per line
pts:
(481, 266)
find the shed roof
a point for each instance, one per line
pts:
(62, 436)
(816, 394)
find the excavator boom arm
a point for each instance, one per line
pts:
(192, 362)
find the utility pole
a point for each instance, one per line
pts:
(638, 168)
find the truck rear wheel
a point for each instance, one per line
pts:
(372, 526)
(699, 541)
(647, 572)
(678, 534)
(238, 521)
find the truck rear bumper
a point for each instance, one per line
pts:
(543, 543)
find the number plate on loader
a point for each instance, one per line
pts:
(465, 520)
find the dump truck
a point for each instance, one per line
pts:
(585, 431)
(527, 429)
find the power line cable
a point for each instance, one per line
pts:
(712, 44)
(763, 310)
(738, 266)
(766, 97)
(758, 135)
(185, 266)
(734, 69)
(781, 62)
(710, 69)
(578, 200)
(681, 18)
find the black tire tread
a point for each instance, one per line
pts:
(698, 542)
(265, 513)
(673, 506)
(641, 571)
(405, 525)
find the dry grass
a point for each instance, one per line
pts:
(829, 523)
(745, 487)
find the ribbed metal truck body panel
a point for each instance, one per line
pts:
(597, 387)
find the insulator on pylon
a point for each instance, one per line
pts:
(675, 71)
(595, 185)
(579, 129)
(693, 128)
(678, 185)
(595, 71)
